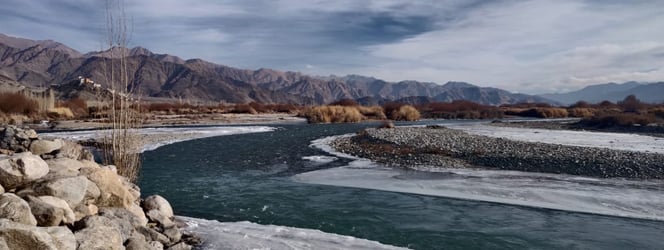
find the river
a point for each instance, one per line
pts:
(259, 177)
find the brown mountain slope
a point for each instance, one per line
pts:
(41, 63)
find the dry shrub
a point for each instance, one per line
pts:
(333, 114)
(459, 109)
(581, 112)
(631, 104)
(243, 109)
(372, 112)
(345, 102)
(526, 105)
(619, 120)
(77, 106)
(60, 112)
(406, 113)
(16, 103)
(544, 113)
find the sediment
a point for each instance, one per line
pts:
(444, 147)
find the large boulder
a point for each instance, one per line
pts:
(71, 150)
(62, 237)
(83, 210)
(138, 212)
(63, 167)
(125, 219)
(20, 236)
(40, 147)
(112, 192)
(51, 211)
(159, 203)
(21, 168)
(15, 139)
(70, 189)
(16, 209)
(99, 237)
(152, 235)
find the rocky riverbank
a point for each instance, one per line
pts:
(444, 147)
(54, 196)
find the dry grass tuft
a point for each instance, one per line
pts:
(333, 114)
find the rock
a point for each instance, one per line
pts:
(99, 237)
(62, 237)
(21, 168)
(180, 246)
(112, 192)
(40, 147)
(71, 150)
(92, 192)
(26, 134)
(156, 244)
(63, 167)
(138, 212)
(161, 219)
(125, 219)
(51, 211)
(2, 189)
(138, 244)
(15, 235)
(16, 209)
(152, 235)
(133, 189)
(89, 166)
(70, 189)
(159, 203)
(173, 233)
(83, 210)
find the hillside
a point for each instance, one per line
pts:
(646, 92)
(44, 63)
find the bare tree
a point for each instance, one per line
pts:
(121, 143)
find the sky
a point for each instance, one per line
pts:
(523, 46)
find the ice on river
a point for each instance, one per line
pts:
(157, 137)
(616, 197)
(247, 235)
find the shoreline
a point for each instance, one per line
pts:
(438, 146)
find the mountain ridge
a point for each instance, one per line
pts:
(652, 92)
(39, 63)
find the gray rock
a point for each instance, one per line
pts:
(26, 134)
(2, 189)
(159, 203)
(21, 168)
(173, 233)
(70, 150)
(92, 192)
(51, 211)
(156, 244)
(138, 212)
(99, 237)
(15, 235)
(63, 167)
(152, 235)
(156, 216)
(62, 237)
(125, 219)
(40, 147)
(180, 246)
(83, 210)
(70, 189)
(16, 209)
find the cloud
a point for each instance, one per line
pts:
(525, 46)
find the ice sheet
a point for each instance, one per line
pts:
(616, 197)
(167, 135)
(247, 235)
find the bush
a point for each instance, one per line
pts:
(618, 120)
(77, 106)
(333, 114)
(345, 102)
(373, 112)
(406, 113)
(243, 109)
(631, 104)
(581, 112)
(541, 113)
(60, 112)
(16, 103)
(459, 109)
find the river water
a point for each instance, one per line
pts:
(275, 178)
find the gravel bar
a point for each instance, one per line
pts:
(444, 147)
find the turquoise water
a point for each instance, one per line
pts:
(248, 177)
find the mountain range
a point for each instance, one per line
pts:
(36, 63)
(614, 92)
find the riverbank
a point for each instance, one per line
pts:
(184, 120)
(450, 148)
(577, 125)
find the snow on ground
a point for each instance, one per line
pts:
(618, 141)
(320, 159)
(616, 197)
(247, 235)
